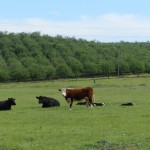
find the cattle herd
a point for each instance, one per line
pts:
(70, 95)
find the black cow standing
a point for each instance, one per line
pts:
(6, 105)
(47, 101)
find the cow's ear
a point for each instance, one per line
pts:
(67, 90)
(59, 89)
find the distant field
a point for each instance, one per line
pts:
(29, 127)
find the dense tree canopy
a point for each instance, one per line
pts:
(32, 56)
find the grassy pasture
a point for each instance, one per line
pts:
(29, 127)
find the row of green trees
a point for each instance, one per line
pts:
(32, 56)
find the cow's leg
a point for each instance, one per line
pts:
(93, 99)
(90, 102)
(87, 102)
(71, 104)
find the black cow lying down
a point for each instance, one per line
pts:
(6, 105)
(47, 101)
(94, 104)
(127, 104)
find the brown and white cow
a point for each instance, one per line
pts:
(78, 94)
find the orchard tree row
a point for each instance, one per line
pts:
(32, 56)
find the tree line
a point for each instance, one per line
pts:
(32, 56)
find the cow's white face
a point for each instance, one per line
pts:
(63, 92)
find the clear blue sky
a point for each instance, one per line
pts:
(102, 20)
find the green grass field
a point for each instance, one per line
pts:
(112, 127)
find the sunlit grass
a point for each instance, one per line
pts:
(28, 126)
